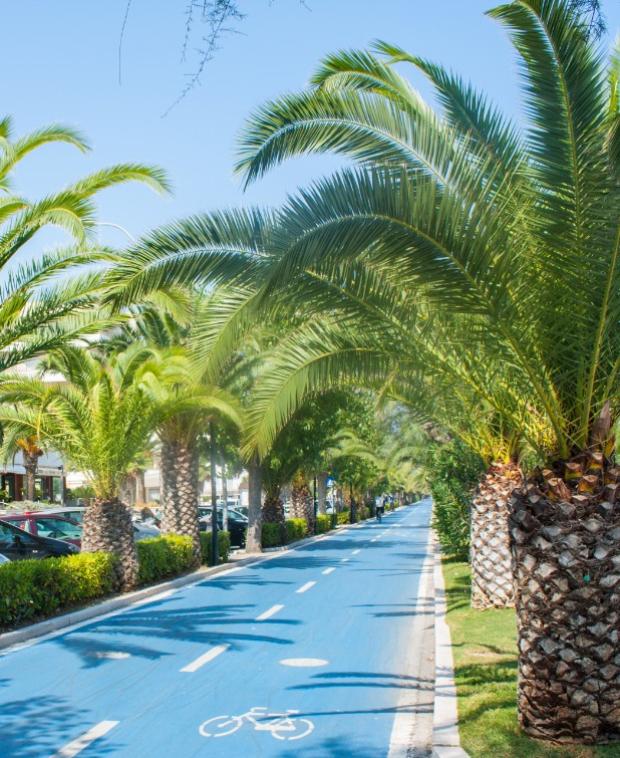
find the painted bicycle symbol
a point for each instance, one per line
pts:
(280, 725)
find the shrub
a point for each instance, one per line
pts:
(160, 557)
(363, 513)
(34, 589)
(273, 534)
(296, 529)
(333, 519)
(223, 544)
(323, 523)
(454, 471)
(344, 517)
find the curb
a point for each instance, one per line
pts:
(446, 740)
(34, 632)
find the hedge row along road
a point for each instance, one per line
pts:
(306, 653)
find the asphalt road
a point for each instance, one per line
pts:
(329, 630)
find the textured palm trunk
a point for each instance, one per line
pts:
(566, 546)
(108, 528)
(179, 471)
(301, 501)
(224, 494)
(31, 463)
(321, 488)
(273, 508)
(255, 493)
(491, 560)
(140, 487)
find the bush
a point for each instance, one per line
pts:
(296, 529)
(344, 517)
(363, 513)
(323, 523)
(454, 472)
(160, 557)
(273, 534)
(223, 544)
(333, 517)
(34, 589)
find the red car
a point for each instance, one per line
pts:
(44, 525)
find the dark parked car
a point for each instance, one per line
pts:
(47, 525)
(16, 544)
(237, 524)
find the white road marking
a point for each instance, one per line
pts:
(205, 658)
(355, 552)
(304, 662)
(84, 740)
(305, 587)
(328, 571)
(344, 560)
(112, 655)
(374, 539)
(269, 613)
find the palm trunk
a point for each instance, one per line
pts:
(273, 507)
(255, 489)
(30, 465)
(140, 486)
(224, 494)
(321, 485)
(491, 561)
(301, 501)
(108, 528)
(566, 547)
(179, 471)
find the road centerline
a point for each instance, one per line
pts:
(86, 739)
(328, 571)
(355, 552)
(305, 587)
(269, 613)
(205, 658)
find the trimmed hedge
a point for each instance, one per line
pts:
(273, 534)
(296, 529)
(323, 523)
(223, 544)
(344, 517)
(33, 589)
(165, 556)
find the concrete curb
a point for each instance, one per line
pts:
(446, 740)
(117, 604)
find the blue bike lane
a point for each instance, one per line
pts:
(322, 631)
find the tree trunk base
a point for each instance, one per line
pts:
(108, 528)
(491, 560)
(567, 559)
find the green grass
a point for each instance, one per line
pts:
(485, 661)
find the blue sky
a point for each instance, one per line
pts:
(62, 59)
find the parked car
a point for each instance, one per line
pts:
(75, 513)
(47, 525)
(16, 544)
(56, 527)
(237, 524)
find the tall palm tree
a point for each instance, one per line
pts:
(99, 418)
(509, 227)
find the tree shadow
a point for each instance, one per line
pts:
(365, 679)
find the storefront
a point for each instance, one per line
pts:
(48, 481)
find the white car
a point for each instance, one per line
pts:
(4, 559)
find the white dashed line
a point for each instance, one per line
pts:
(305, 587)
(328, 571)
(269, 613)
(343, 560)
(355, 552)
(86, 739)
(374, 539)
(205, 658)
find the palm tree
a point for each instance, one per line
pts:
(31, 452)
(40, 310)
(505, 227)
(99, 418)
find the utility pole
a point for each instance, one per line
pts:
(214, 540)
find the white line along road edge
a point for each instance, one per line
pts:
(412, 723)
(86, 739)
(269, 613)
(446, 740)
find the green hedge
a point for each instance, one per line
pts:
(363, 513)
(273, 534)
(165, 556)
(33, 589)
(223, 544)
(344, 517)
(296, 529)
(323, 523)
